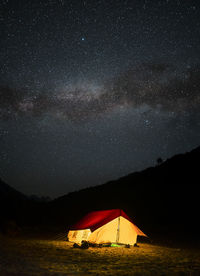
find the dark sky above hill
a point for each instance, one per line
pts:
(93, 90)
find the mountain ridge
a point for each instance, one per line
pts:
(175, 157)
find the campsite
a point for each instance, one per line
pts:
(34, 234)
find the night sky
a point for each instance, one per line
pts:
(94, 90)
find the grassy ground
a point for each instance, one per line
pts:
(25, 257)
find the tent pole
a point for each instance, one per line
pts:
(118, 229)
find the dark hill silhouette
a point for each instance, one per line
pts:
(10, 201)
(9, 193)
(162, 200)
(19, 208)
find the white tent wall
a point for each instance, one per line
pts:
(127, 232)
(109, 232)
(106, 233)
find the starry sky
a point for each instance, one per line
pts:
(94, 90)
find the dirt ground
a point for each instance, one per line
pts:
(25, 257)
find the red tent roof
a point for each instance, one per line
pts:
(96, 219)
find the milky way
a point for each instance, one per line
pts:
(94, 90)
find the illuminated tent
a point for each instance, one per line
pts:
(109, 226)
